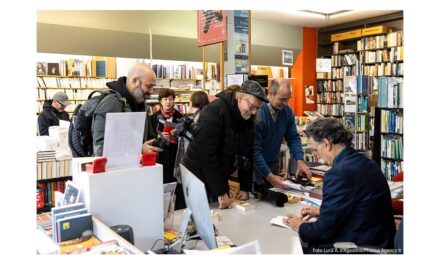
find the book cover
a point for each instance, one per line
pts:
(100, 69)
(62, 209)
(41, 68)
(73, 227)
(78, 245)
(53, 68)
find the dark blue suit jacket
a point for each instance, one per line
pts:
(356, 205)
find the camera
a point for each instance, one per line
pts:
(161, 142)
(186, 128)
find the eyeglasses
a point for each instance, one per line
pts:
(252, 107)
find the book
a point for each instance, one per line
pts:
(53, 68)
(78, 245)
(73, 227)
(62, 209)
(41, 68)
(243, 206)
(59, 216)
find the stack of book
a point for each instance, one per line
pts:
(319, 170)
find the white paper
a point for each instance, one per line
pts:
(123, 138)
(237, 79)
(279, 221)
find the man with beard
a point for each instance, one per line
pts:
(224, 142)
(53, 112)
(129, 95)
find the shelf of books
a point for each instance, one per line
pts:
(363, 60)
(78, 76)
(388, 148)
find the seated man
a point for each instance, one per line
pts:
(356, 205)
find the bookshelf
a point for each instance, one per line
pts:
(388, 126)
(367, 58)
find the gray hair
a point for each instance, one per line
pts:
(330, 129)
(277, 83)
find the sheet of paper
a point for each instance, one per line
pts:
(123, 138)
(252, 247)
(279, 221)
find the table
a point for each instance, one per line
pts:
(242, 227)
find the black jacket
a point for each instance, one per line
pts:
(50, 117)
(223, 135)
(122, 102)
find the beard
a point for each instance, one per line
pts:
(138, 94)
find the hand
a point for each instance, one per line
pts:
(302, 169)
(309, 211)
(224, 201)
(147, 147)
(276, 181)
(293, 222)
(242, 196)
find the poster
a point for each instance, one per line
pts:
(287, 57)
(241, 40)
(309, 94)
(211, 27)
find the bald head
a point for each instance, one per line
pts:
(140, 81)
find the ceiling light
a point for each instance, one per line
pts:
(309, 13)
(340, 13)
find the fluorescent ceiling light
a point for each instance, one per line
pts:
(308, 13)
(341, 13)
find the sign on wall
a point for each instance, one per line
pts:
(211, 27)
(287, 57)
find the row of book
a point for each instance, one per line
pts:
(392, 122)
(54, 169)
(378, 42)
(74, 82)
(339, 73)
(362, 103)
(356, 122)
(359, 84)
(344, 60)
(390, 92)
(378, 56)
(183, 71)
(329, 98)
(383, 69)
(70, 222)
(330, 86)
(391, 146)
(87, 243)
(391, 168)
(47, 191)
(361, 141)
(331, 109)
(94, 67)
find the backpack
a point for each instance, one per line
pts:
(80, 131)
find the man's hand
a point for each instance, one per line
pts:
(147, 147)
(242, 196)
(302, 169)
(309, 211)
(293, 222)
(224, 201)
(276, 181)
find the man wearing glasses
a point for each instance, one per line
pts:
(224, 142)
(129, 96)
(277, 123)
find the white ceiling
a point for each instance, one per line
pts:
(298, 18)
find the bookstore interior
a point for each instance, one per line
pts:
(341, 65)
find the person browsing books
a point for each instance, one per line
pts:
(277, 122)
(53, 112)
(356, 205)
(131, 92)
(224, 142)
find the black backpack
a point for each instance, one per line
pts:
(80, 131)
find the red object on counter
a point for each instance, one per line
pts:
(98, 165)
(148, 159)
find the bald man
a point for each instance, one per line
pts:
(128, 94)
